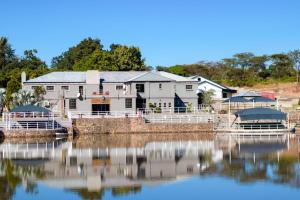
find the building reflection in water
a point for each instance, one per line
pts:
(66, 164)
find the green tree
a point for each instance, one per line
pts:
(38, 93)
(295, 57)
(13, 86)
(208, 97)
(281, 67)
(126, 58)
(67, 59)
(8, 60)
(98, 60)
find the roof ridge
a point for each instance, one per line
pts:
(138, 76)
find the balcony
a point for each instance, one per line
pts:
(105, 93)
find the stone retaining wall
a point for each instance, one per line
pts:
(135, 125)
(30, 133)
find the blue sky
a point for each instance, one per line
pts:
(168, 32)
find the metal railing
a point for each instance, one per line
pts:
(20, 115)
(33, 125)
(180, 119)
(175, 110)
(261, 127)
(103, 114)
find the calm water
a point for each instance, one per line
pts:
(143, 167)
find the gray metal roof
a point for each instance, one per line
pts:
(151, 76)
(60, 77)
(119, 77)
(176, 77)
(109, 76)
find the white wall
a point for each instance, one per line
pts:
(207, 86)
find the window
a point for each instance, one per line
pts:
(49, 87)
(72, 103)
(155, 104)
(170, 105)
(160, 86)
(129, 160)
(199, 79)
(159, 105)
(189, 169)
(189, 87)
(119, 87)
(65, 87)
(165, 105)
(224, 95)
(101, 86)
(33, 87)
(140, 87)
(73, 161)
(81, 90)
(128, 103)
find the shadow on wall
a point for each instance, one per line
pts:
(178, 103)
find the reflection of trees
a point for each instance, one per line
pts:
(266, 167)
(15, 175)
(84, 193)
(125, 190)
(285, 169)
(88, 195)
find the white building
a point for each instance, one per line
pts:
(220, 91)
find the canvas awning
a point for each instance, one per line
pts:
(31, 108)
(236, 99)
(260, 114)
(248, 94)
(262, 100)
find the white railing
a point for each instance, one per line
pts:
(103, 114)
(261, 127)
(27, 115)
(180, 119)
(176, 110)
(33, 125)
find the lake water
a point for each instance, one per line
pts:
(147, 167)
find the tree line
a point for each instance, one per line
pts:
(245, 69)
(242, 69)
(86, 55)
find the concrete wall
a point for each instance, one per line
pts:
(153, 94)
(135, 125)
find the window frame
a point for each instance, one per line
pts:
(71, 104)
(128, 104)
(61, 87)
(141, 88)
(187, 87)
(47, 88)
(119, 87)
(80, 91)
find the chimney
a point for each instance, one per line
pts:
(92, 77)
(23, 78)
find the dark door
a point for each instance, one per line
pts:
(140, 103)
(100, 108)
